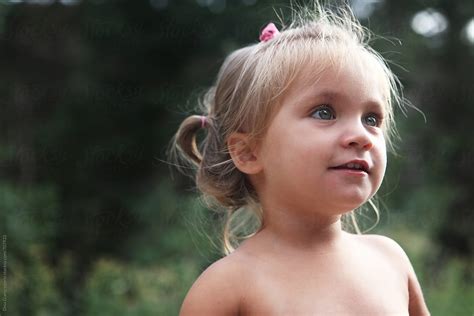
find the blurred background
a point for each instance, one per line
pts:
(94, 222)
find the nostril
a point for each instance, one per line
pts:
(366, 146)
(357, 139)
(369, 145)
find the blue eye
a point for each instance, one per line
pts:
(324, 113)
(373, 119)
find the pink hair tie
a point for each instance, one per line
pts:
(269, 32)
(203, 121)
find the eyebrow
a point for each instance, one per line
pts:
(329, 94)
(333, 95)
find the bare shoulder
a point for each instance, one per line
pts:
(217, 291)
(390, 248)
(397, 255)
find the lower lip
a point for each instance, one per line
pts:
(351, 172)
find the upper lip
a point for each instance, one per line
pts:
(364, 164)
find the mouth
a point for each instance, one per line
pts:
(355, 165)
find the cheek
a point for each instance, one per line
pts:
(381, 156)
(287, 154)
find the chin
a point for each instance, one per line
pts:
(351, 204)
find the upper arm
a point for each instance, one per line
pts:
(213, 293)
(416, 304)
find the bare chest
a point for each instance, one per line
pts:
(328, 287)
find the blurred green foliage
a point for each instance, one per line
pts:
(116, 288)
(91, 93)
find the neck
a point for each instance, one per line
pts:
(302, 232)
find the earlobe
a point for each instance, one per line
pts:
(243, 153)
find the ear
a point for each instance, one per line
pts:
(244, 153)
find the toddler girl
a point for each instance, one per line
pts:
(296, 131)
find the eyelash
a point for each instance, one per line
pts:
(377, 116)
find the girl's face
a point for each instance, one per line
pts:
(324, 150)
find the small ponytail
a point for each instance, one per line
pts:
(186, 137)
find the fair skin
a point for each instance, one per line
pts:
(301, 262)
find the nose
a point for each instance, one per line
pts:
(357, 136)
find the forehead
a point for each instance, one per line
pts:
(341, 76)
(301, 71)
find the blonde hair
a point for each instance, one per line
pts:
(250, 82)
